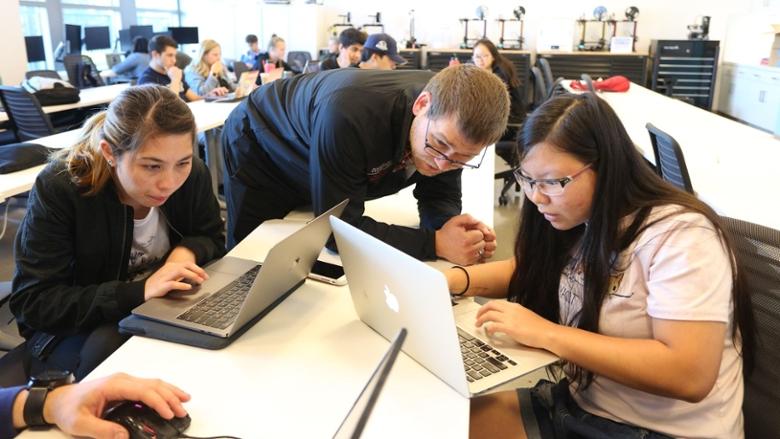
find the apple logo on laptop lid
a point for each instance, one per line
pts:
(391, 300)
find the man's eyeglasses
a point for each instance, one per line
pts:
(547, 186)
(440, 155)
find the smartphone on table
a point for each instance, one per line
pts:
(328, 273)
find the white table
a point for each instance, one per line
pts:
(87, 97)
(297, 372)
(732, 166)
(207, 117)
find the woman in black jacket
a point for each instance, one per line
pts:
(125, 215)
(486, 56)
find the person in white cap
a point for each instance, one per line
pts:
(381, 53)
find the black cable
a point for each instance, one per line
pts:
(185, 436)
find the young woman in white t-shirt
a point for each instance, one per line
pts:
(623, 276)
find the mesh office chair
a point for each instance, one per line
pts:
(25, 113)
(553, 86)
(669, 160)
(297, 60)
(44, 73)
(588, 82)
(758, 250)
(82, 72)
(540, 88)
(238, 68)
(182, 60)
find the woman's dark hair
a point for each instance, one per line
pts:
(586, 127)
(140, 45)
(500, 62)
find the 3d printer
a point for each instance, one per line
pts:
(509, 43)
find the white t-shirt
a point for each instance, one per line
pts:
(150, 243)
(677, 269)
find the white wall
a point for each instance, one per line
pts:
(14, 62)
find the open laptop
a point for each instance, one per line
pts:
(392, 290)
(353, 424)
(246, 83)
(240, 289)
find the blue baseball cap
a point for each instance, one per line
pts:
(384, 43)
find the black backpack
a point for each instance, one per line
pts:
(56, 92)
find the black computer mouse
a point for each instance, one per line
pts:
(142, 422)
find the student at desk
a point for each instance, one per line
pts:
(629, 280)
(123, 216)
(134, 64)
(363, 134)
(207, 75)
(486, 56)
(251, 55)
(274, 56)
(380, 53)
(351, 43)
(162, 68)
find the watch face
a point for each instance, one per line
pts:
(51, 377)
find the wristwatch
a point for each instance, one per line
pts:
(38, 388)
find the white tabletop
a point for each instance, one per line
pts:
(207, 116)
(87, 98)
(732, 166)
(297, 372)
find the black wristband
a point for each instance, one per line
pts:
(468, 281)
(33, 407)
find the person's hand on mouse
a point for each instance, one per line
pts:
(76, 408)
(180, 272)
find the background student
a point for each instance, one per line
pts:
(250, 56)
(162, 68)
(207, 75)
(486, 56)
(351, 43)
(76, 408)
(124, 215)
(273, 56)
(318, 139)
(629, 280)
(134, 64)
(380, 53)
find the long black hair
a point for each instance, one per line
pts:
(586, 127)
(501, 63)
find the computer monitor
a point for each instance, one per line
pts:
(145, 31)
(125, 41)
(97, 38)
(73, 35)
(34, 46)
(184, 35)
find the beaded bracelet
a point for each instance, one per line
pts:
(468, 281)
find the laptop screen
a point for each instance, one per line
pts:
(356, 419)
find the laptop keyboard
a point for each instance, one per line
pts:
(480, 359)
(220, 309)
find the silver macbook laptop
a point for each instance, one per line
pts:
(353, 424)
(392, 290)
(239, 289)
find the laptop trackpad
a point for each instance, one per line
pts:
(232, 266)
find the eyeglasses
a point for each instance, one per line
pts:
(547, 186)
(440, 155)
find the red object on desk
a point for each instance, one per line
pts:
(613, 83)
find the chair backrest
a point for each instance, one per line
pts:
(44, 73)
(238, 68)
(25, 113)
(669, 160)
(298, 59)
(588, 82)
(544, 66)
(82, 72)
(182, 60)
(540, 88)
(71, 63)
(758, 249)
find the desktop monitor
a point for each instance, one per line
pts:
(125, 41)
(35, 50)
(73, 35)
(145, 31)
(184, 35)
(97, 38)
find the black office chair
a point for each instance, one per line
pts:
(82, 72)
(239, 68)
(553, 86)
(43, 73)
(669, 160)
(298, 59)
(540, 88)
(25, 114)
(758, 250)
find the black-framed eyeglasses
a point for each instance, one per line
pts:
(440, 155)
(547, 186)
